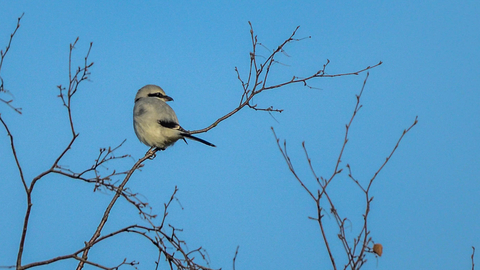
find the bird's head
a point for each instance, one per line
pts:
(152, 91)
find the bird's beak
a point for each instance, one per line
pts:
(168, 98)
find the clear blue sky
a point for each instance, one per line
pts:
(426, 210)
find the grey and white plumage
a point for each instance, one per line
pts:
(155, 123)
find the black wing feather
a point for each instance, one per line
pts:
(168, 124)
(174, 125)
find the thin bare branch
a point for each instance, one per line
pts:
(473, 256)
(14, 152)
(9, 102)
(347, 129)
(311, 167)
(2, 57)
(235, 257)
(392, 152)
(3, 53)
(289, 163)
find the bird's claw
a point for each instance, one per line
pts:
(151, 153)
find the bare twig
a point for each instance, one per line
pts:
(2, 57)
(81, 74)
(473, 256)
(14, 152)
(347, 128)
(235, 257)
(289, 163)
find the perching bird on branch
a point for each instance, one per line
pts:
(155, 123)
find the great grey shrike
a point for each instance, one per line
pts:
(155, 123)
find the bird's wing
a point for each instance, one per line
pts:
(166, 116)
(169, 124)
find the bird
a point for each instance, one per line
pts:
(155, 122)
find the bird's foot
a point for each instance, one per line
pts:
(152, 152)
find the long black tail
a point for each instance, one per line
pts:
(191, 137)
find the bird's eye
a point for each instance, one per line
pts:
(159, 95)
